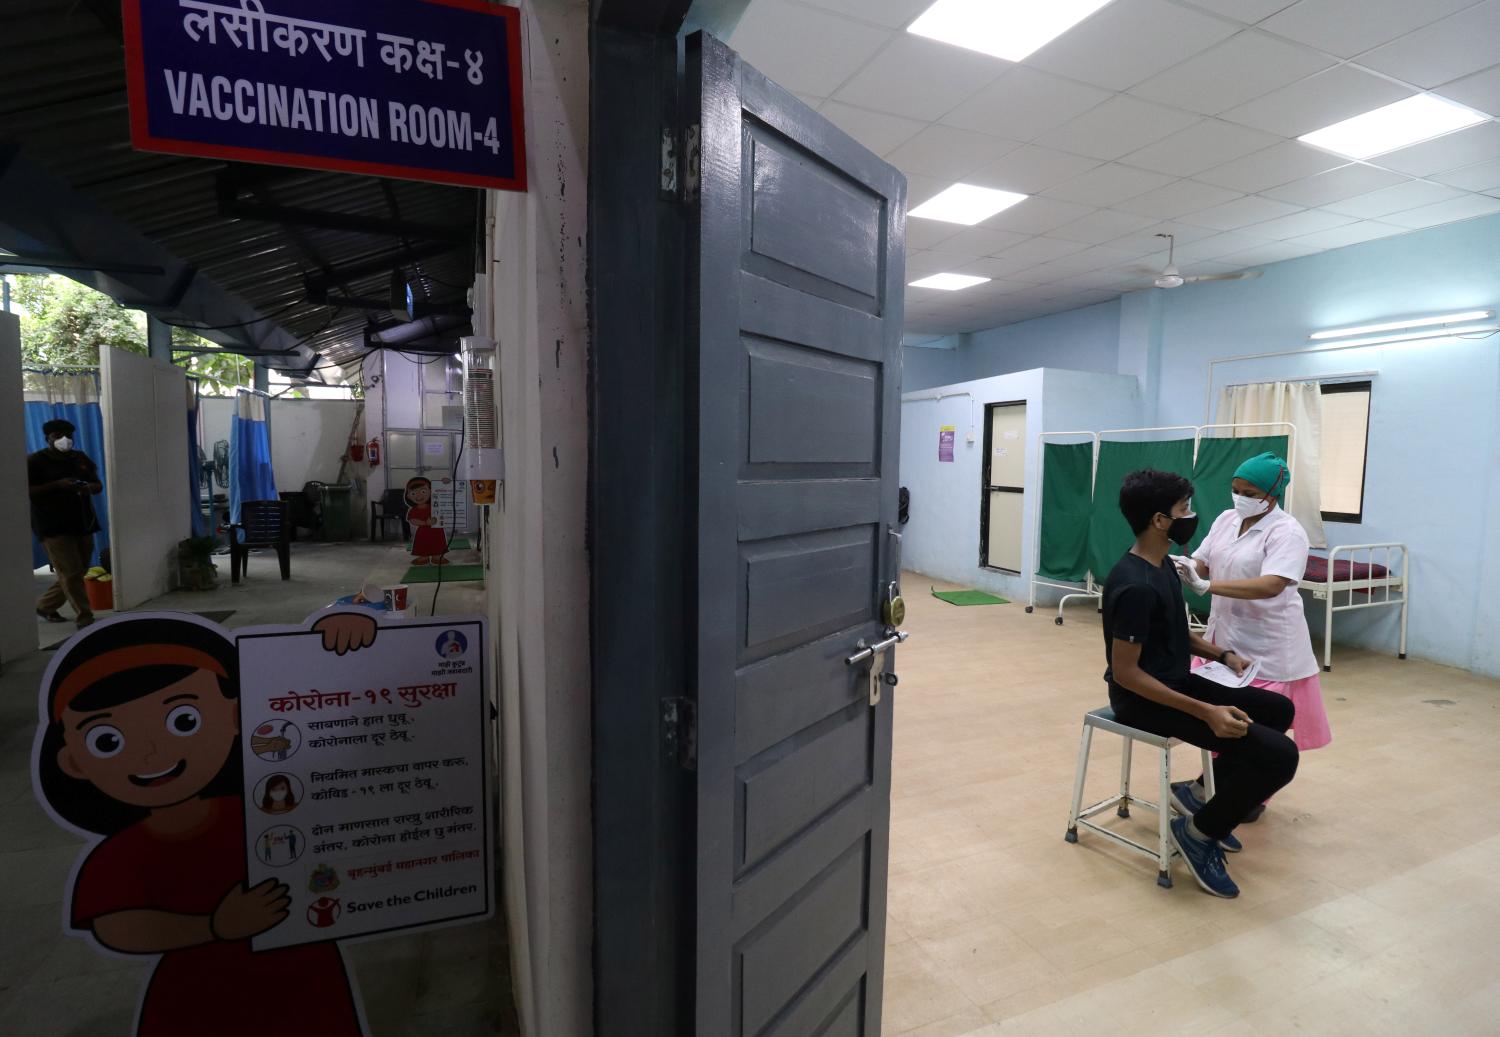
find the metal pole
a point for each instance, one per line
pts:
(158, 339)
(5, 292)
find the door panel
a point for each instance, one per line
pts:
(1005, 530)
(1008, 446)
(795, 299)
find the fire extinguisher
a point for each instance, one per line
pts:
(374, 453)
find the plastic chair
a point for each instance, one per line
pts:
(391, 507)
(1104, 720)
(263, 523)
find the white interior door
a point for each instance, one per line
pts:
(1005, 486)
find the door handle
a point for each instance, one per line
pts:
(875, 676)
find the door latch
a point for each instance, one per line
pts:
(876, 677)
(679, 731)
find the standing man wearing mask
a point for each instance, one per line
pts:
(1149, 650)
(1251, 562)
(62, 481)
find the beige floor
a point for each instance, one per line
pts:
(1371, 888)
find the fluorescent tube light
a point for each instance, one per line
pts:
(1417, 336)
(1397, 325)
(1009, 29)
(1418, 118)
(966, 204)
(949, 282)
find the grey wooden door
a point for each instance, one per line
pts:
(795, 310)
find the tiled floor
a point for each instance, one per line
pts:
(451, 982)
(1371, 893)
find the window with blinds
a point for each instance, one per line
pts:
(1346, 429)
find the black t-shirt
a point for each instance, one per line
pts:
(61, 512)
(1143, 605)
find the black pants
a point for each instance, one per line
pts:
(1249, 770)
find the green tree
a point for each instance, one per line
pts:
(64, 323)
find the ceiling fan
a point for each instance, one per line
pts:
(1170, 277)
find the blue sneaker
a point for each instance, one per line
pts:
(1205, 860)
(1186, 802)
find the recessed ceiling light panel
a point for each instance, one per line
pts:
(1418, 118)
(949, 282)
(1009, 29)
(966, 204)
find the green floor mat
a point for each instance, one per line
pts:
(969, 598)
(451, 573)
(456, 544)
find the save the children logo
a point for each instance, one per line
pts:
(451, 644)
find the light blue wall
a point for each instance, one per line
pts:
(1433, 477)
(926, 366)
(1078, 340)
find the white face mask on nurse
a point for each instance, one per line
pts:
(1250, 507)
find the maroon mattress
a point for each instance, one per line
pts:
(1343, 570)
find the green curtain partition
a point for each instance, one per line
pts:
(1109, 534)
(1067, 501)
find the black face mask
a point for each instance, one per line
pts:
(1182, 529)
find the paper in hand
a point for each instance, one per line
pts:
(1221, 674)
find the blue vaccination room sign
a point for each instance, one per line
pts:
(417, 89)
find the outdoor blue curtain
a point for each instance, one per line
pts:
(250, 474)
(72, 396)
(201, 526)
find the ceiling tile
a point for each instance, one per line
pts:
(1480, 92)
(1042, 250)
(1179, 199)
(1464, 148)
(1031, 169)
(1335, 185)
(1349, 234)
(1102, 256)
(809, 99)
(1482, 177)
(1204, 145)
(1350, 27)
(1392, 199)
(895, 14)
(923, 188)
(947, 153)
(1451, 211)
(1317, 101)
(1145, 241)
(1242, 212)
(1198, 252)
(1242, 68)
(1025, 103)
(1102, 226)
(1119, 125)
(877, 131)
(922, 234)
(1272, 252)
(1247, 11)
(1308, 222)
(981, 241)
(1037, 215)
(1280, 164)
(804, 49)
(1128, 41)
(917, 77)
(1107, 184)
(998, 268)
(1455, 46)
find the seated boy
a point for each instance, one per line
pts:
(1148, 647)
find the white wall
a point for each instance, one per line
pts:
(942, 538)
(17, 625)
(534, 304)
(146, 462)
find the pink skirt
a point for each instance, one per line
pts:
(1310, 729)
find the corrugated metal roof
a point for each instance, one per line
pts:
(63, 103)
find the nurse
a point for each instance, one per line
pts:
(1250, 562)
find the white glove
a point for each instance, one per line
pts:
(1188, 570)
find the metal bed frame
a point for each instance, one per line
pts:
(1327, 589)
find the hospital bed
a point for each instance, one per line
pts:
(1358, 576)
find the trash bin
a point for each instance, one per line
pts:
(337, 511)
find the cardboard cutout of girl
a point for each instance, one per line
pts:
(428, 544)
(138, 750)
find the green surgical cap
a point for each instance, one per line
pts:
(1266, 472)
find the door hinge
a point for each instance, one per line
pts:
(692, 152)
(679, 731)
(668, 163)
